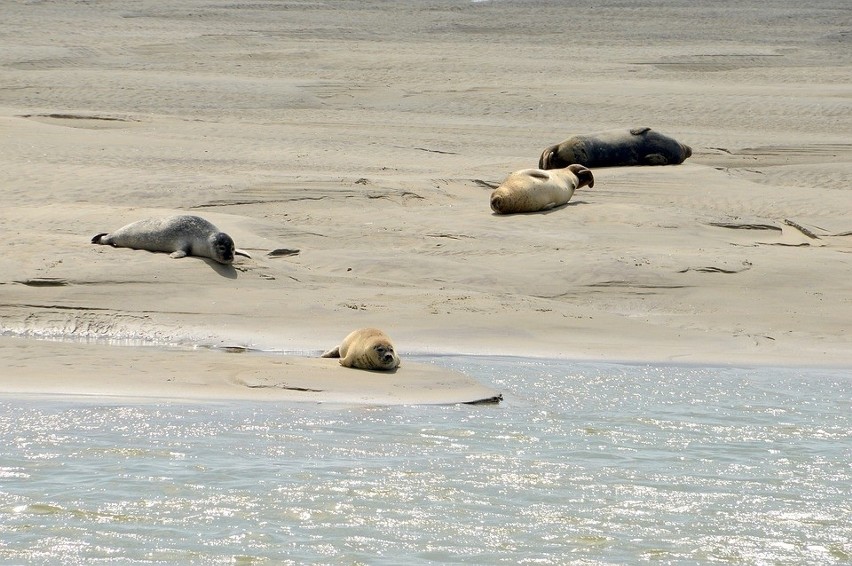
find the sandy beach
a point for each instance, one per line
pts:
(366, 136)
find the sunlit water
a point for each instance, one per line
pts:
(581, 464)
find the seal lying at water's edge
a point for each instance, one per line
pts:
(366, 348)
(534, 190)
(179, 236)
(613, 148)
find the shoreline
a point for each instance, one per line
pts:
(61, 368)
(232, 347)
(96, 370)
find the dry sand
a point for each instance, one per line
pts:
(362, 133)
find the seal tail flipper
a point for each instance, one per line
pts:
(97, 238)
(584, 175)
(546, 156)
(333, 353)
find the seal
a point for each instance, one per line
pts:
(178, 236)
(613, 148)
(366, 348)
(534, 190)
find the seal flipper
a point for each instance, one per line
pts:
(639, 131)
(242, 253)
(584, 175)
(333, 353)
(178, 254)
(655, 159)
(97, 238)
(546, 157)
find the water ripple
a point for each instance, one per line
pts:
(582, 464)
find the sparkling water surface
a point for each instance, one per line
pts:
(583, 463)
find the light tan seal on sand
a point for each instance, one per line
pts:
(534, 190)
(178, 236)
(614, 148)
(366, 348)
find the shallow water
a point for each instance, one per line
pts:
(581, 464)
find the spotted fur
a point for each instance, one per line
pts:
(178, 236)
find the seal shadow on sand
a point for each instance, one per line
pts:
(543, 212)
(224, 270)
(377, 371)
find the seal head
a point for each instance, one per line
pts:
(223, 247)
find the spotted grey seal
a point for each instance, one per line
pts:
(179, 236)
(613, 148)
(533, 190)
(366, 348)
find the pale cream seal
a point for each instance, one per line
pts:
(366, 348)
(534, 190)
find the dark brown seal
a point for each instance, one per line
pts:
(614, 148)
